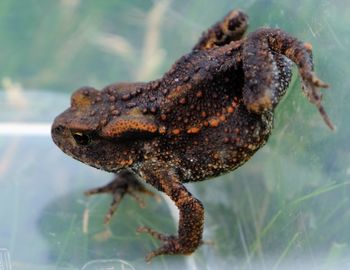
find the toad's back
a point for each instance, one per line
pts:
(209, 129)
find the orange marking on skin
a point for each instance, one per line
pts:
(162, 130)
(80, 99)
(261, 104)
(308, 46)
(178, 91)
(199, 94)
(127, 162)
(193, 130)
(120, 126)
(176, 131)
(214, 122)
(289, 52)
(230, 109)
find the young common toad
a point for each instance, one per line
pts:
(206, 116)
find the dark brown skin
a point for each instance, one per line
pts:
(206, 116)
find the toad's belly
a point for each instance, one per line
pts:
(220, 151)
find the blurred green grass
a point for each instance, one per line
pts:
(288, 205)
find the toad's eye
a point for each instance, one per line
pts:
(81, 138)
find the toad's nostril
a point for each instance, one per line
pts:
(58, 129)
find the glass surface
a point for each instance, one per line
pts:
(287, 208)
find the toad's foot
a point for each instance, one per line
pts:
(171, 244)
(231, 28)
(124, 183)
(310, 86)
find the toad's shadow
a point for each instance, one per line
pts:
(64, 220)
(233, 210)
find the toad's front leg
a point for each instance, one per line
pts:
(125, 182)
(191, 221)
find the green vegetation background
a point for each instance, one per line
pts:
(287, 208)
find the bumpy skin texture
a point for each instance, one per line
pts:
(206, 116)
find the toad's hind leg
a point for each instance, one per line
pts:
(263, 71)
(231, 27)
(190, 229)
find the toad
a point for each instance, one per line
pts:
(205, 117)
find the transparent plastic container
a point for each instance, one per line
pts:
(287, 208)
